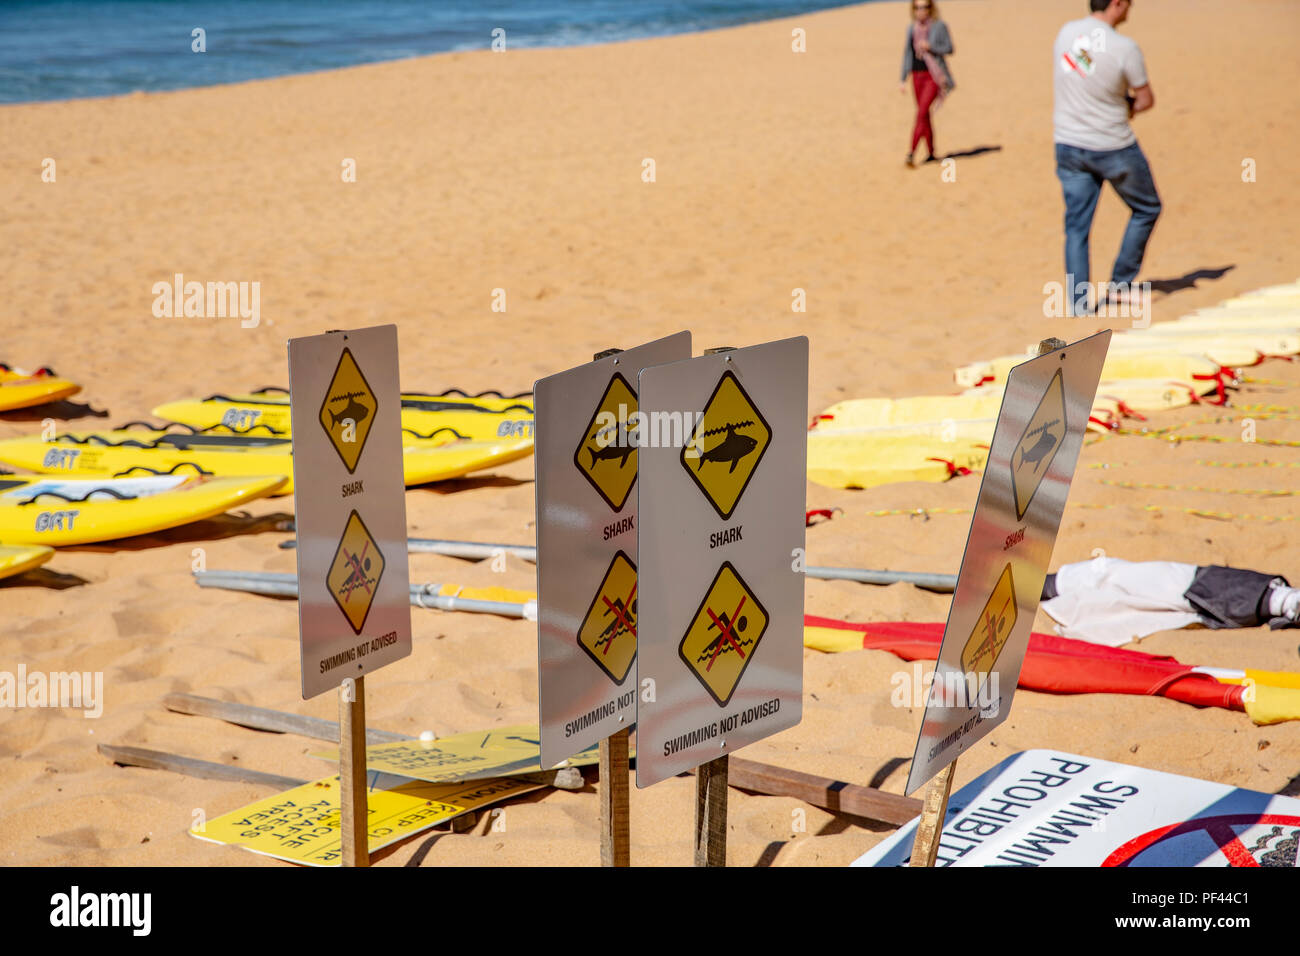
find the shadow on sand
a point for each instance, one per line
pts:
(44, 578)
(1188, 281)
(973, 151)
(228, 525)
(63, 410)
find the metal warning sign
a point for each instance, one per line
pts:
(1031, 461)
(354, 612)
(723, 474)
(992, 629)
(469, 756)
(348, 410)
(606, 454)
(1039, 444)
(724, 634)
(729, 441)
(608, 632)
(590, 432)
(304, 825)
(354, 575)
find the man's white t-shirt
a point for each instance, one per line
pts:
(1094, 67)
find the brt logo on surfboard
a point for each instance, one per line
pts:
(212, 300)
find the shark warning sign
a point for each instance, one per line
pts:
(720, 554)
(589, 438)
(728, 443)
(354, 603)
(1039, 444)
(348, 410)
(606, 455)
(1022, 496)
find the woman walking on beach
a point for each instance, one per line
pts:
(928, 42)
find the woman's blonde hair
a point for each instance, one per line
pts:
(934, 8)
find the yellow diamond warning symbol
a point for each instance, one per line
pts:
(608, 631)
(728, 443)
(991, 632)
(724, 634)
(606, 455)
(355, 572)
(348, 410)
(1039, 444)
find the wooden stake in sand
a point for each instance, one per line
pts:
(711, 813)
(934, 809)
(352, 772)
(615, 818)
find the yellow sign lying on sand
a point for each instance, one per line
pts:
(724, 634)
(472, 756)
(302, 825)
(606, 456)
(355, 571)
(348, 410)
(608, 631)
(722, 466)
(1039, 444)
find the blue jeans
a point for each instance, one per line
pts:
(1081, 172)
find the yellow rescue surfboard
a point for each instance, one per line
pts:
(427, 417)
(17, 559)
(1140, 395)
(1121, 364)
(55, 512)
(20, 389)
(858, 461)
(124, 452)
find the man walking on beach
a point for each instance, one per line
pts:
(1100, 83)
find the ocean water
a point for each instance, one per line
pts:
(60, 49)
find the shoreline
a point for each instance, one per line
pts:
(485, 47)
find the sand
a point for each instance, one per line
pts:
(522, 171)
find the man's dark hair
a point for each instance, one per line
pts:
(1098, 6)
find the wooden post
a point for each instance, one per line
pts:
(711, 813)
(614, 823)
(930, 826)
(615, 826)
(352, 774)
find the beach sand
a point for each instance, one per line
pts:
(522, 171)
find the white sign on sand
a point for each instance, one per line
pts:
(1048, 808)
(1045, 409)
(722, 512)
(587, 434)
(354, 612)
